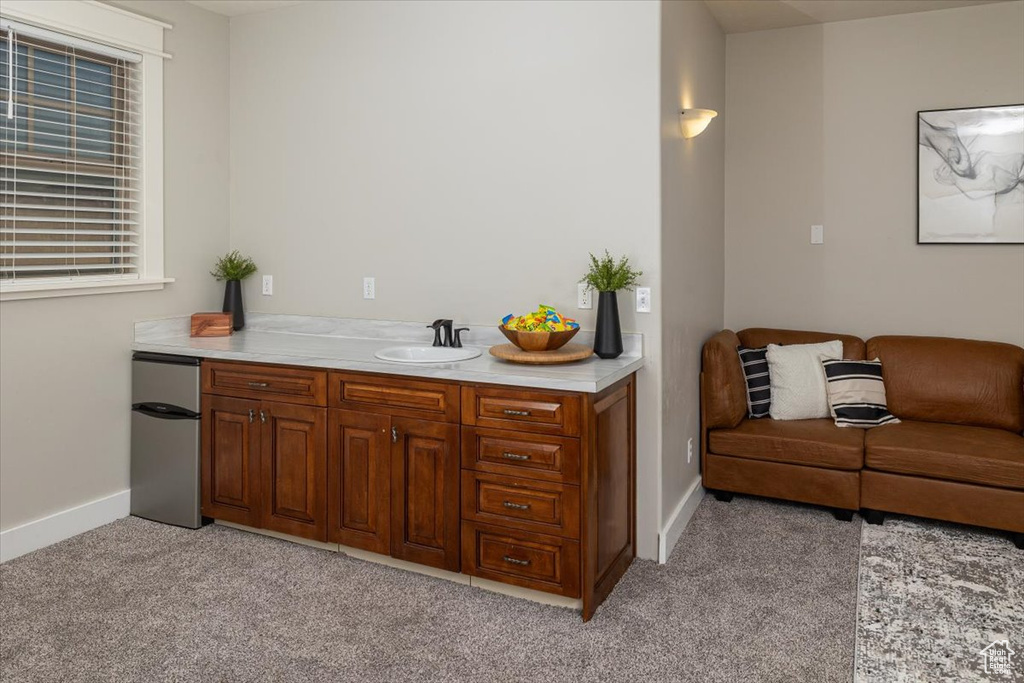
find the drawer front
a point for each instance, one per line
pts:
(438, 401)
(546, 563)
(526, 410)
(519, 454)
(521, 503)
(251, 380)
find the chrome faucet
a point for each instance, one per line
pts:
(451, 338)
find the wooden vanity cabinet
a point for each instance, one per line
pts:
(425, 493)
(529, 487)
(548, 488)
(359, 480)
(230, 467)
(264, 450)
(394, 467)
(393, 486)
(293, 442)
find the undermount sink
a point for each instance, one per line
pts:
(426, 354)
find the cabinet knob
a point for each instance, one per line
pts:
(514, 456)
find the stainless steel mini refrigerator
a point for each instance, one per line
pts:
(165, 438)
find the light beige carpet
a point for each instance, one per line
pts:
(755, 591)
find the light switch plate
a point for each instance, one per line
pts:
(584, 296)
(268, 285)
(369, 288)
(643, 299)
(817, 234)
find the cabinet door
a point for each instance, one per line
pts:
(294, 445)
(425, 492)
(359, 480)
(231, 460)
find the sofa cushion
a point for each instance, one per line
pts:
(754, 337)
(976, 455)
(856, 393)
(818, 443)
(759, 386)
(798, 380)
(959, 381)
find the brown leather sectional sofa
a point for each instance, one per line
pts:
(957, 454)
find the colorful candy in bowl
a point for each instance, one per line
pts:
(543, 330)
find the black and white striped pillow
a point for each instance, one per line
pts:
(856, 393)
(759, 388)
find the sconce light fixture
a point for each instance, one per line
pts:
(694, 121)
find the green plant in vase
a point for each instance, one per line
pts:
(608, 276)
(232, 268)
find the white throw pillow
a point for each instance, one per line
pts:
(798, 380)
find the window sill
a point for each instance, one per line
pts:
(81, 288)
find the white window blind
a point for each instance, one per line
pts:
(70, 144)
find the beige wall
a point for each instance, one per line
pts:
(65, 395)
(822, 129)
(466, 155)
(692, 231)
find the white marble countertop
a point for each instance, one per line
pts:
(350, 344)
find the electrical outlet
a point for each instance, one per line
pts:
(817, 234)
(268, 285)
(643, 299)
(689, 450)
(369, 288)
(584, 296)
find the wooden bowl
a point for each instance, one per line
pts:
(538, 341)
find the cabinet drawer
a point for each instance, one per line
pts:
(250, 380)
(518, 454)
(426, 400)
(521, 409)
(521, 503)
(545, 563)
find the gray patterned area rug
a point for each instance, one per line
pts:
(933, 597)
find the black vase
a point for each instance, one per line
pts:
(608, 338)
(233, 303)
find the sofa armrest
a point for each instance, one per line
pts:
(723, 391)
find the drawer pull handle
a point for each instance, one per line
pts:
(259, 385)
(252, 415)
(515, 506)
(514, 560)
(514, 456)
(521, 413)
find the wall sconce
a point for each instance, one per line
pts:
(694, 121)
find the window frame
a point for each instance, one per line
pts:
(99, 23)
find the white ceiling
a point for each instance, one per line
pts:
(734, 16)
(233, 8)
(741, 16)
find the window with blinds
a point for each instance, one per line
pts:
(69, 160)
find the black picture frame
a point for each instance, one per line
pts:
(970, 182)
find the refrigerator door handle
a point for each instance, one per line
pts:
(165, 411)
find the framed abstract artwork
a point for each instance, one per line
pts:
(970, 175)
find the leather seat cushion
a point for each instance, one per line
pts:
(976, 455)
(818, 443)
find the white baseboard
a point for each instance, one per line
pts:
(46, 531)
(678, 520)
